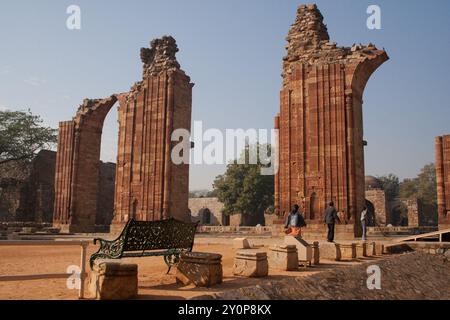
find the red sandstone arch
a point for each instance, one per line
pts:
(321, 147)
(148, 185)
(77, 165)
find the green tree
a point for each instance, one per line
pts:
(22, 135)
(243, 189)
(391, 185)
(422, 187)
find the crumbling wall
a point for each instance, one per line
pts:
(26, 189)
(378, 198)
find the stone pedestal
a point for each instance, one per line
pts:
(371, 249)
(330, 251)
(361, 249)
(348, 251)
(113, 280)
(284, 257)
(251, 263)
(379, 248)
(315, 253)
(241, 243)
(200, 269)
(304, 249)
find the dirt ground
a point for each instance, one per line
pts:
(154, 283)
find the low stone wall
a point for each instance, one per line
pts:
(415, 275)
(442, 248)
(400, 230)
(233, 229)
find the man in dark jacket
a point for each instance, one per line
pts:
(330, 219)
(294, 222)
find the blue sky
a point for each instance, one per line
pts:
(233, 51)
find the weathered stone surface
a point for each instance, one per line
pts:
(403, 277)
(284, 257)
(371, 249)
(330, 251)
(361, 250)
(26, 189)
(241, 243)
(376, 197)
(208, 211)
(348, 251)
(112, 280)
(150, 186)
(442, 146)
(379, 248)
(321, 143)
(200, 269)
(304, 249)
(316, 253)
(251, 263)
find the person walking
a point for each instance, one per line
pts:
(330, 220)
(294, 222)
(364, 223)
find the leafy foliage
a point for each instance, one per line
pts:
(422, 187)
(243, 189)
(22, 135)
(391, 186)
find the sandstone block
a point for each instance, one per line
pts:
(315, 253)
(304, 249)
(348, 251)
(330, 251)
(241, 243)
(251, 263)
(113, 280)
(361, 249)
(379, 248)
(284, 257)
(371, 249)
(200, 269)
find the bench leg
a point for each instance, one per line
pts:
(169, 261)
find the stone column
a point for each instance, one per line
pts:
(440, 180)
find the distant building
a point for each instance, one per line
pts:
(208, 211)
(397, 212)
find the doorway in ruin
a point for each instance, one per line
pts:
(371, 222)
(205, 216)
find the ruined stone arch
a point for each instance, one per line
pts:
(148, 185)
(321, 147)
(77, 165)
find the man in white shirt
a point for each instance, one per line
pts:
(364, 222)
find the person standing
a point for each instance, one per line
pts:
(294, 222)
(330, 220)
(364, 223)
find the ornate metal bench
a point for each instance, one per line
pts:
(167, 238)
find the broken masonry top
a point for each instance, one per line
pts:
(160, 56)
(308, 43)
(308, 30)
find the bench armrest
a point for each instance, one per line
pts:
(109, 249)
